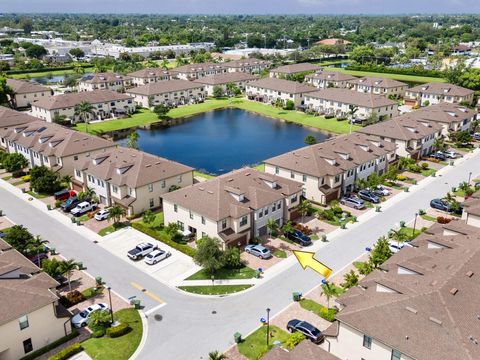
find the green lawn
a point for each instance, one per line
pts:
(280, 254)
(427, 172)
(214, 289)
(156, 223)
(46, 73)
(409, 232)
(19, 182)
(399, 77)
(260, 167)
(428, 217)
(37, 196)
(254, 346)
(145, 117)
(318, 309)
(110, 229)
(83, 218)
(243, 273)
(6, 178)
(120, 348)
(203, 175)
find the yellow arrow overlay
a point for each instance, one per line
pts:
(306, 259)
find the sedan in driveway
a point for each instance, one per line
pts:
(258, 250)
(440, 204)
(307, 329)
(353, 202)
(438, 155)
(299, 238)
(381, 190)
(450, 154)
(101, 215)
(156, 256)
(368, 196)
(81, 319)
(396, 246)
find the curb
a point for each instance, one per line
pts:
(143, 341)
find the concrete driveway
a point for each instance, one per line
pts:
(169, 271)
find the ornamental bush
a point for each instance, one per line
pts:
(119, 330)
(67, 352)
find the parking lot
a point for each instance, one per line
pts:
(177, 266)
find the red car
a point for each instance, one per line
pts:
(64, 195)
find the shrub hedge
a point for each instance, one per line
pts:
(119, 330)
(404, 71)
(164, 238)
(67, 352)
(53, 345)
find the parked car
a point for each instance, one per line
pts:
(353, 202)
(396, 246)
(141, 250)
(37, 258)
(438, 155)
(368, 196)
(101, 215)
(298, 237)
(2, 234)
(382, 190)
(307, 329)
(70, 204)
(258, 250)
(476, 136)
(82, 208)
(156, 256)
(81, 319)
(64, 194)
(440, 204)
(450, 154)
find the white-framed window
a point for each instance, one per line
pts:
(191, 214)
(304, 178)
(163, 184)
(23, 322)
(277, 170)
(396, 355)
(175, 207)
(203, 220)
(243, 221)
(150, 187)
(179, 180)
(115, 189)
(224, 224)
(181, 225)
(294, 198)
(152, 203)
(367, 341)
(292, 174)
(77, 173)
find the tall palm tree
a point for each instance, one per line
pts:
(303, 208)
(272, 226)
(352, 109)
(115, 213)
(399, 236)
(164, 64)
(84, 110)
(215, 355)
(329, 290)
(67, 269)
(78, 69)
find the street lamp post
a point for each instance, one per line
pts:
(469, 177)
(110, 301)
(414, 224)
(268, 325)
(213, 280)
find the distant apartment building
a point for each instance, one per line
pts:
(268, 90)
(25, 93)
(107, 104)
(340, 102)
(326, 79)
(250, 66)
(197, 71)
(379, 85)
(434, 93)
(149, 75)
(234, 207)
(130, 178)
(417, 305)
(30, 316)
(330, 169)
(105, 81)
(293, 69)
(169, 92)
(51, 145)
(239, 79)
(413, 136)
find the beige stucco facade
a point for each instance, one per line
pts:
(25, 100)
(380, 90)
(425, 99)
(173, 98)
(471, 219)
(270, 96)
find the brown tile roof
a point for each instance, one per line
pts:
(441, 89)
(51, 139)
(213, 199)
(133, 168)
(378, 82)
(164, 87)
(101, 78)
(333, 41)
(443, 112)
(286, 86)
(23, 287)
(306, 350)
(296, 68)
(428, 314)
(9, 117)
(330, 76)
(472, 205)
(220, 79)
(26, 87)
(352, 97)
(72, 99)
(246, 63)
(149, 72)
(348, 151)
(193, 68)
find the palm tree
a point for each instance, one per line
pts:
(151, 64)
(115, 213)
(329, 290)
(84, 110)
(272, 226)
(399, 236)
(438, 144)
(352, 109)
(67, 269)
(164, 64)
(215, 355)
(304, 208)
(78, 69)
(67, 179)
(288, 227)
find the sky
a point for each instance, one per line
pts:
(242, 6)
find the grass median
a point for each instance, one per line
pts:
(225, 274)
(214, 289)
(254, 346)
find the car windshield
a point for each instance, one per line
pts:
(315, 331)
(83, 314)
(264, 250)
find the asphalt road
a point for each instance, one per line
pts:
(188, 327)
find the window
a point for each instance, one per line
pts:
(75, 157)
(163, 184)
(191, 214)
(266, 211)
(77, 173)
(203, 220)
(224, 224)
(23, 322)
(204, 234)
(152, 203)
(179, 179)
(27, 346)
(337, 178)
(279, 205)
(181, 226)
(115, 189)
(367, 341)
(396, 355)
(175, 207)
(292, 174)
(294, 198)
(277, 170)
(260, 214)
(304, 178)
(243, 221)
(150, 187)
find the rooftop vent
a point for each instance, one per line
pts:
(469, 273)
(412, 310)
(453, 291)
(435, 320)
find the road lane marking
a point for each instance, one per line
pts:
(148, 293)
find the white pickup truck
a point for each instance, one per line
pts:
(82, 208)
(141, 250)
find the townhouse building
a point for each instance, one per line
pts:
(169, 92)
(105, 81)
(27, 92)
(293, 69)
(434, 93)
(149, 75)
(107, 104)
(234, 207)
(11, 118)
(331, 169)
(414, 137)
(132, 179)
(471, 210)
(30, 316)
(326, 79)
(197, 71)
(239, 79)
(51, 145)
(339, 102)
(269, 90)
(250, 65)
(417, 305)
(379, 85)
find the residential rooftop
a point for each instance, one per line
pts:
(9, 117)
(162, 87)
(149, 72)
(380, 82)
(441, 89)
(306, 350)
(106, 77)
(287, 86)
(296, 68)
(225, 78)
(70, 100)
(367, 100)
(330, 76)
(26, 87)
(443, 112)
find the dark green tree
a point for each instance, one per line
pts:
(209, 255)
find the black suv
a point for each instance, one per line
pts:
(70, 204)
(299, 238)
(307, 329)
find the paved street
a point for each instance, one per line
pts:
(188, 327)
